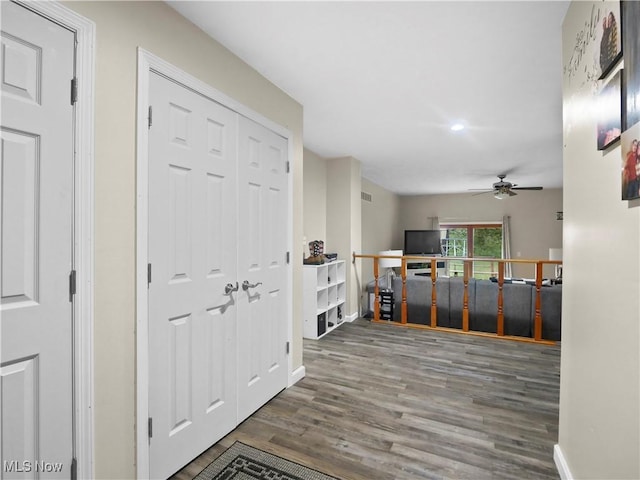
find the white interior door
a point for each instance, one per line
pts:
(192, 235)
(262, 261)
(37, 61)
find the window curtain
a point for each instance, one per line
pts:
(506, 244)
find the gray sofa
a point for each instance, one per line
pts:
(518, 305)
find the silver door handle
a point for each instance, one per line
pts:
(246, 285)
(229, 288)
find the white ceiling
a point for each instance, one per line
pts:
(383, 81)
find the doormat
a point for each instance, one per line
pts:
(242, 462)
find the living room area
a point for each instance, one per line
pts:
(342, 208)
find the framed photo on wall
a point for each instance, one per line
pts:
(631, 163)
(610, 112)
(610, 37)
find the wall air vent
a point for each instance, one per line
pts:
(365, 196)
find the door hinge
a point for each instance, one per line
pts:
(150, 117)
(287, 348)
(74, 90)
(72, 285)
(288, 257)
(74, 469)
(150, 427)
(288, 166)
(148, 274)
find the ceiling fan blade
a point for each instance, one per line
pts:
(481, 193)
(526, 188)
(511, 192)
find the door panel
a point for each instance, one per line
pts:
(37, 61)
(262, 318)
(192, 235)
(20, 175)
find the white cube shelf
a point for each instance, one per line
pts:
(324, 297)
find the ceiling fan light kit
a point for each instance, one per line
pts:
(500, 195)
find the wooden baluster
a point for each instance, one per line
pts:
(376, 291)
(403, 308)
(465, 298)
(434, 298)
(537, 324)
(500, 327)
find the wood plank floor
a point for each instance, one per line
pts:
(382, 402)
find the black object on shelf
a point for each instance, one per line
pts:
(386, 305)
(322, 324)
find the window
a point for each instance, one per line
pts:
(472, 241)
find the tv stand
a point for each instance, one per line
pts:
(423, 267)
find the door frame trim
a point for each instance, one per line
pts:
(147, 63)
(83, 218)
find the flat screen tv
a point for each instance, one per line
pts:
(422, 242)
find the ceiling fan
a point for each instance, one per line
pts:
(503, 189)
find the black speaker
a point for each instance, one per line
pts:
(322, 324)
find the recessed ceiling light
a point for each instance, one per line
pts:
(456, 127)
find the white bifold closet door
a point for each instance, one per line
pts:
(217, 253)
(262, 232)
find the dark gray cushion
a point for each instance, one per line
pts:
(484, 311)
(551, 310)
(517, 309)
(443, 302)
(419, 300)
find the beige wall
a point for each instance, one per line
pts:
(534, 228)
(380, 227)
(356, 238)
(344, 220)
(332, 213)
(599, 430)
(315, 198)
(121, 27)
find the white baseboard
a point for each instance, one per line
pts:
(297, 375)
(352, 317)
(561, 463)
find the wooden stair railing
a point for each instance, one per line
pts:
(434, 298)
(500, 326)
(403, 305)
(537, 323)
(468, 266)
(465, 296)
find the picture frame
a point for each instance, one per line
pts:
(630, 141)
(609, 125)
(611, 44)
(631, 76)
